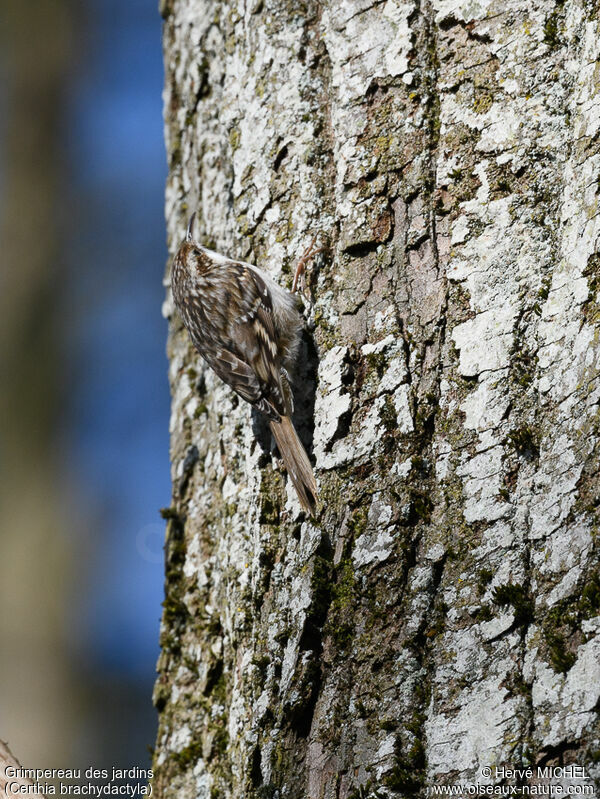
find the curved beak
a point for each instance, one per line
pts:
(189, 234)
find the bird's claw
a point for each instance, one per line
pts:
(309, 253)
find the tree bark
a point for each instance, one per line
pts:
(440, 616)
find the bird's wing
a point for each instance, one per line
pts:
(247, 356)
(242, 379)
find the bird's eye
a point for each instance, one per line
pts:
(196, 252)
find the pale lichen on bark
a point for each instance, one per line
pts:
(441, 614)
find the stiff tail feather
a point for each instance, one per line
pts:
(296, 462)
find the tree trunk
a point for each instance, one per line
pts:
(440, 616)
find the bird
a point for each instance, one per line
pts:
(247, 328)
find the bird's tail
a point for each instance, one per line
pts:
(296, 462)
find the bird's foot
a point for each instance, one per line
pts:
(309, 253)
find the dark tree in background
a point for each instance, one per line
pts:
(441, 613)
(38, 696)
(82, 389)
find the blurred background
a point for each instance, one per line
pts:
(84, 399)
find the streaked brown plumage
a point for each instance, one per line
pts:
(247, 329)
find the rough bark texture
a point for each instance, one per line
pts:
(441, 615)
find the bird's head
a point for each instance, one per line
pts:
(190, 259)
